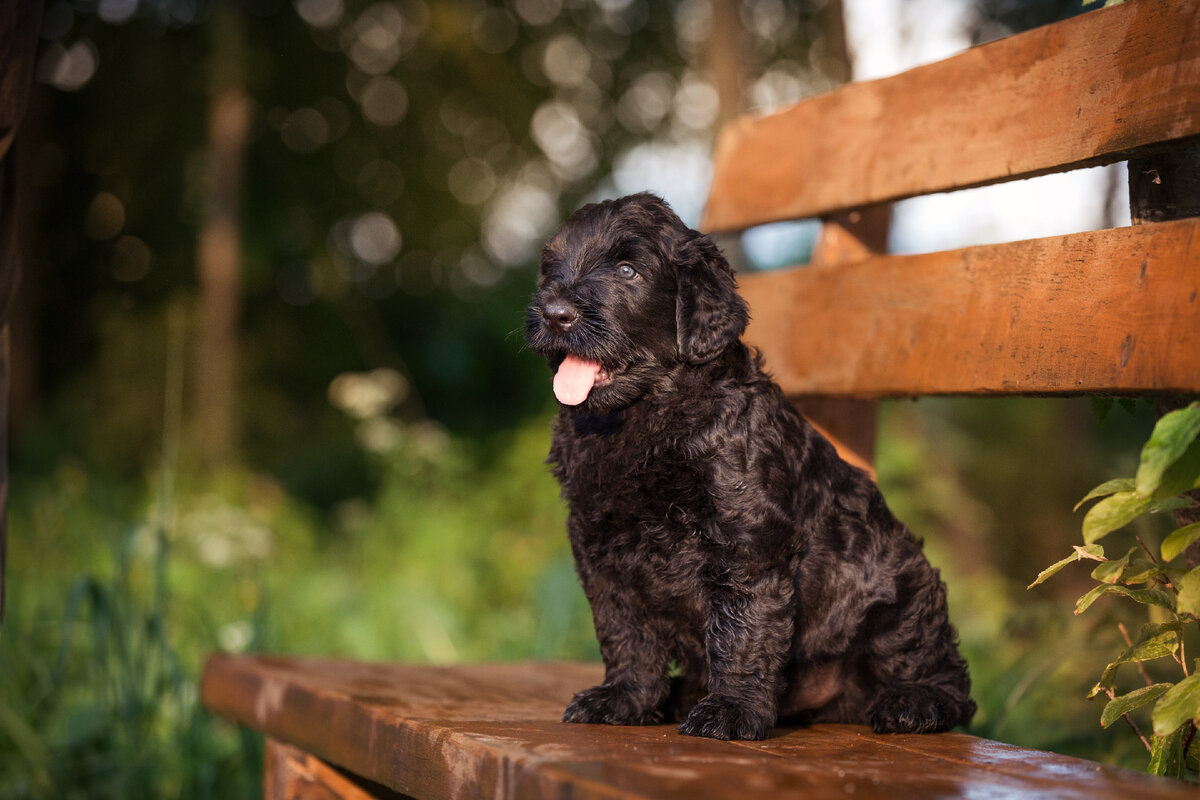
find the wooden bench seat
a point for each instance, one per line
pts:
(1107, 312)
(493, 731)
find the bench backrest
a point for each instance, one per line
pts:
(1113, 311)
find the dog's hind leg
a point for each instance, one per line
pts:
(921, 681)
(918, 708)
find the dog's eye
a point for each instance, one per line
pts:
(626, 271)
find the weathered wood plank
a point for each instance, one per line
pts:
(1114, 311)
(292, 774)
(1089, 90)
(494, 731)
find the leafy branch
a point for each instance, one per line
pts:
(1168, 470)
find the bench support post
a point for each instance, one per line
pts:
(849, 423)
(292, 774)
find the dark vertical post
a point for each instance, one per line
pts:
(1163, 187)
(19, 24)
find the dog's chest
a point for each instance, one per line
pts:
(626, 468)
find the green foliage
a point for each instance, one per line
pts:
(458, 555)
(1168, 591)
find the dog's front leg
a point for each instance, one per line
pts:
(748, 638)
(635, 684)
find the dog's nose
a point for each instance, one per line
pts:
(559, 314)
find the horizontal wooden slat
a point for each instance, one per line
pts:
(1089, 90)
(493, 731)
(1114, 311)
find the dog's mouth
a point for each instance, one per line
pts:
(576, 377)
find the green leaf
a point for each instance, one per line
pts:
(1119, 706)
(1101, 405)
(1158, 646)
(1092, 551)
(1178, 705)
(1188, 601)
(1115, 511)
(1110, 571)
(1166, 754)
(1155, 640)
(1107, 488)
(1171, 437)
(1152, 596)
(1179, 540)
(1120, 509)
(1183, 475)
(1140, 571)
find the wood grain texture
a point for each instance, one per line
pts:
(849, 423)
(494, 731)
(292, 774)
(1114, 311)
(1092, 89)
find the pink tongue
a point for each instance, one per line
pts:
(574, 380)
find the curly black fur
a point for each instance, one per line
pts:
(713, 529)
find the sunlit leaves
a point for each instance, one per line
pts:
(1107, 488)
(1166, 756)
(1110, 571)
(1118, 510)
(1171, 439)
(1169, 468)
(1119, 706)
(1092, 551)
(1189, 593)
(1156, 641)
(1152, 597)
(1170, 465)
(1179, 705)
(1179, 540)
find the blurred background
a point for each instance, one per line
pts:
(269, 390)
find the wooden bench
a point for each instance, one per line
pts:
(1111, 312)
(493, 731)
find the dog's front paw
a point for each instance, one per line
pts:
(613, 705)
(723, 718)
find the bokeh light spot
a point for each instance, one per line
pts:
(494, 30)
(305, 130)
(105, 217)
(374, 238)
(472, 180)
(384, 101)
(538, 12)
(69, 68)
(320, 14)
(131, 259)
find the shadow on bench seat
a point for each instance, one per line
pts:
(348, 729)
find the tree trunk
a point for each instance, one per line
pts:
(219, 248)
(19, 23)
(726, 60)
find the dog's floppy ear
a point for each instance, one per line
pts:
(709, 313)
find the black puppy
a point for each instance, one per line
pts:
(717, 534)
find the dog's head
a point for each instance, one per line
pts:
(626, 294)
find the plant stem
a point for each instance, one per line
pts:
(1141, 667)
(1137, 731)
(1166, 581)
(1182, 655)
